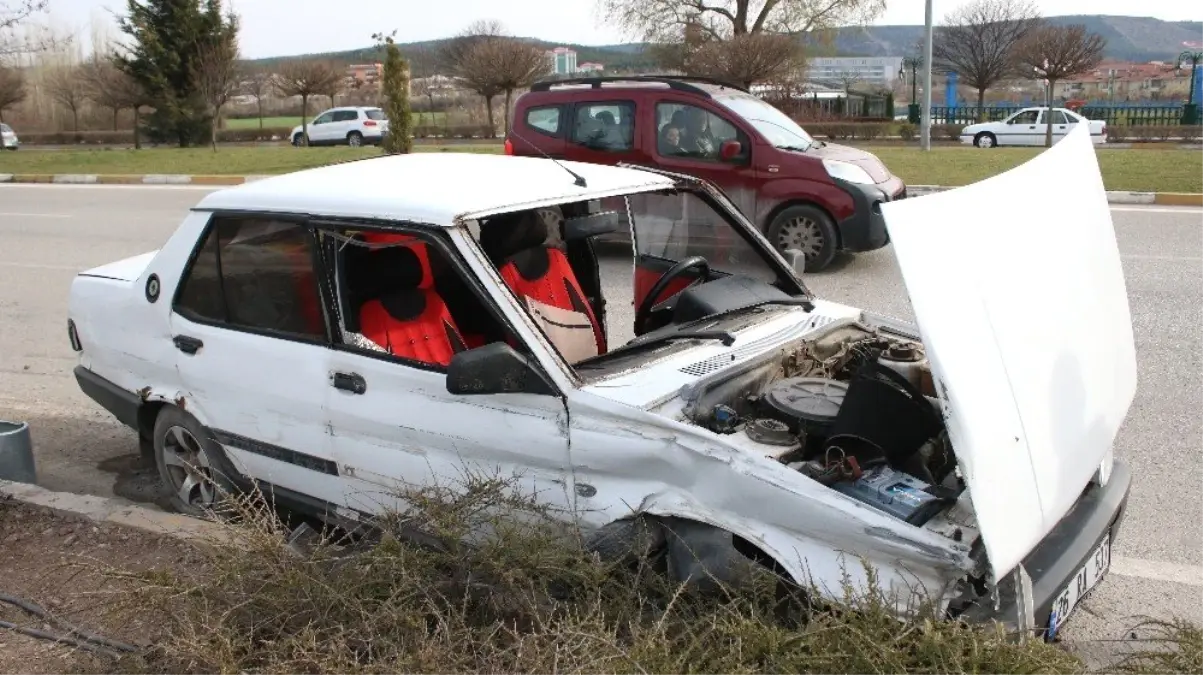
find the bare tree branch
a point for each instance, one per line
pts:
(66, 86)
(663, 20)
(258, 84)
(215, 74)
(470, 58)
(305, 79)
(108, 87)
(1055, 53)
(747, 59)
(978, 41)
(12, 88)
(15, 38)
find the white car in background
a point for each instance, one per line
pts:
(352, 126)
(8, 137)
(1029, 126)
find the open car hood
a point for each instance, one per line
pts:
(1019, 295)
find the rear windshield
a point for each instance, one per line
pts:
(376, 114)
(776, 127)
(5, 128)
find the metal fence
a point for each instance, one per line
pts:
(1118, 115)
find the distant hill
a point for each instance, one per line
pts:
(1129, 38)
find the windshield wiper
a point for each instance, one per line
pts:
(805, 303)
(724, 336)
(796, 148)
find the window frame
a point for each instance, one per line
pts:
(216, 216)
(558, 107)
(570, 136)
(354, 115)
(741, 135)
(431, 235)
(317, 120)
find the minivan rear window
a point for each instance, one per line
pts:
(544, 119)
(376, 114)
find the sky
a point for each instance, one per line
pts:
(284, 27)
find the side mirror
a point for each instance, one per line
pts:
(495, 369)
(730, 150)
(797, 260)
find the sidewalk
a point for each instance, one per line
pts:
(1113, 196)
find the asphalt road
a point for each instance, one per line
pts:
(47, 233)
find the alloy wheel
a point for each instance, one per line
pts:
(803, 234)
(188, 470)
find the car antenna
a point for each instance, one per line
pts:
(579, 179)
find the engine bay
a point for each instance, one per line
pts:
(853, 408)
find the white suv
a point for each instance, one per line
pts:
(353, 126)
(8, 138)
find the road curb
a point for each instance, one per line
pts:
(112, 511)
(1113, 196)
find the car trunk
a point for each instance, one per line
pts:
(1031, 346)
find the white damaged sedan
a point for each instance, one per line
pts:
(334, 334)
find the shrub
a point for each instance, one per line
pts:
(75, 137)
(907, 131)
(521, 599)
(253, 134)
(948, 132)
(1117, 133)
(1191, 133)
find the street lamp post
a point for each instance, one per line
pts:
(912, 110)
(925, 127)
(1190, 112)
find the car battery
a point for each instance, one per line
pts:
(898, 494)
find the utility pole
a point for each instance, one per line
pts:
(925, 131)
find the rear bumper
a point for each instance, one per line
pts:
(865, 229)
(122, 404)
(1063, 551)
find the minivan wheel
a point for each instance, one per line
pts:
(808, 229)
(985, 140)
(187, 459)
(355, 139)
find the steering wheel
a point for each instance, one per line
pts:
(649, 304)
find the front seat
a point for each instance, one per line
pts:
(541, 276)
(408, 318)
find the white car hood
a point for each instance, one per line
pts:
(1019, 294)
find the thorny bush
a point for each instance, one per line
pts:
(478, 592)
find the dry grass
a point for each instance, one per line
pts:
(522, 597)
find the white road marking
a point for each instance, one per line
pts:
(1180, 210)
(114, 186)
(1170, 258)
(39, 266)
(1156, 570)
(35, 215)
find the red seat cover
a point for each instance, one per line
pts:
(409, 319)
(544, 274)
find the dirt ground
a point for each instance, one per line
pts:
(72, 568)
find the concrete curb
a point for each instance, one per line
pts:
(1113, 196)
(112, 511)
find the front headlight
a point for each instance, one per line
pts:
(849, 172)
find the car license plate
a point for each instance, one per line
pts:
(1080, 584)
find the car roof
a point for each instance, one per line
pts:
(433, 188)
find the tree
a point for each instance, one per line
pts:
(166, 37)
(258, 84)
(66, 86)
(13, 15)
(469, 57)
(746, 59)
(215, 72)
(395, 87)
(305, 79)
(516, 65)
(12, 88)
(978, 41)
(1055, 53)
(667, 20)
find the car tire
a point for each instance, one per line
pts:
(189, 463)
(808, 229)
(298, 140)
(985, 139)
(355, 139)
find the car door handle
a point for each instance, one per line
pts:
(352, 382)
(187, 344)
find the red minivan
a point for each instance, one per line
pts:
(805, 194)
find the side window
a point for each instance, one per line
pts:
(400, 294)
(606, 126)
(1026, 117)
(324, 118)
(545, 119)
(685, 130)
(1069, 119)
(257, 274)
(346, 115)
(1060, 117)
(375, 114)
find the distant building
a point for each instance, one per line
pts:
(1121, 80)
(563, 60)
(365, 73)
(859, 70)
(590, 67)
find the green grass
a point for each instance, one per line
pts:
(292, 121)
(1160, 170)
